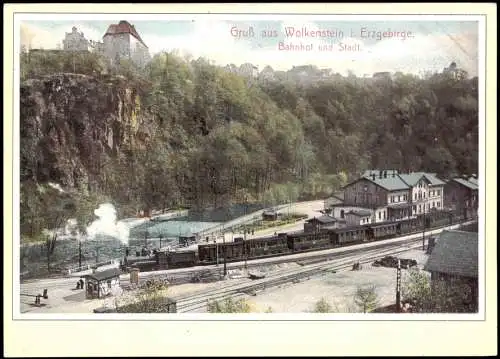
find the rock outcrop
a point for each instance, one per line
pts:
(71, 124)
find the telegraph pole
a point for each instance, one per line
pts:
(423, 232)
(224, 244)
(245, 238)
(398, 287)
(79, 252)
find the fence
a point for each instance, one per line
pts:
(235, 222)
(87, 267)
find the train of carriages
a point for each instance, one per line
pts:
(287, 243)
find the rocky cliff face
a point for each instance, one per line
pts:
(71, 124)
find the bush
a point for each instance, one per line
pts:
(229, 305)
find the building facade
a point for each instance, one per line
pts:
(121, 41)
(462, 195)
(392, 196)
(358, 217)
(75, 41)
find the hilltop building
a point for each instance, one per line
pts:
(121, 41)
(75, 41)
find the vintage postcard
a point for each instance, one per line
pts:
(240, 165)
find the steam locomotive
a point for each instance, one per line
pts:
(289, 243)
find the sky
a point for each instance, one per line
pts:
(414, 46)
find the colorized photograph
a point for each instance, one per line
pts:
(249, 165)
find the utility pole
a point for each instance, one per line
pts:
(79, 252)
(217, 251)
(224, 244)
(398, 287)
(423, 232)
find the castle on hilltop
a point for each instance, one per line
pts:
(121, 41)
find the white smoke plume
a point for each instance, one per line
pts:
(107, 225)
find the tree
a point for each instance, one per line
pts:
(366, 298)
(438, 296)
(322, 306)
(229, 305)
(50, 245)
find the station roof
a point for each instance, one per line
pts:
(455, 253)
(105, 274)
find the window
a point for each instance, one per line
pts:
(379, 215)
(419, 208)
(384, 214)
(415, 196)
(399, 198)
(433, 205)
(439, 204)
(414, 209)
(424, 194)
(109, 283)
(439, 192)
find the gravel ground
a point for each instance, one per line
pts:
(337, 288)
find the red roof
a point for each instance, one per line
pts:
(123, 27)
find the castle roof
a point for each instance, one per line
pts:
(123, 27)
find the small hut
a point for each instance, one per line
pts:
(270, 215)
(102, 284)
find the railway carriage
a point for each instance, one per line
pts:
(267, 246)
(208, 253)
(306, 241)
(180, 259)
(386, 230)
(346, 235)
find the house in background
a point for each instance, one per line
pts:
(75, 41)
(462, 195)
(122, 41)
(323, 222)
(358, 217)
(454, 261)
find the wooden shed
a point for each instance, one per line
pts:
(270, 215)
(102, 284)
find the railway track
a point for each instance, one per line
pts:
(213, 272)
(197, 301)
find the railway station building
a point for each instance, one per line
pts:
(391, 196)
